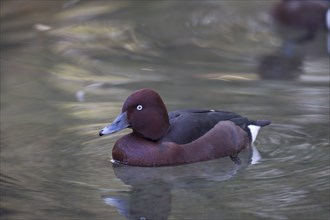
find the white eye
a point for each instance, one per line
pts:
(139, 107)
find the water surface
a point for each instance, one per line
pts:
(67, 67)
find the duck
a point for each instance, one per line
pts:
(159, 138)
(309, 15)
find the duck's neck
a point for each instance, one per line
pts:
(154, 127)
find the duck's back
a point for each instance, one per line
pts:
(188, 125)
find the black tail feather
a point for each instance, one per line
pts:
(260, 123)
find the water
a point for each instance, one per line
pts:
(67, 67)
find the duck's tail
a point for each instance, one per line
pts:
(254, 127)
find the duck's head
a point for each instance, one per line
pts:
(145, 113)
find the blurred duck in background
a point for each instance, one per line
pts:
(302, 25)
(307, 15)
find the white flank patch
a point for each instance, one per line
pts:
(254, 129)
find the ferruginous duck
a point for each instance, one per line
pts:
(159, 138)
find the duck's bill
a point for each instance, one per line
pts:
(118, 124)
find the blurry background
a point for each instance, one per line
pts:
(67, 67)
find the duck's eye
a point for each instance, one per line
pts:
(139, 107)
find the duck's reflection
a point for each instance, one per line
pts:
(150, 196)
(151, 200)
(279, 66)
